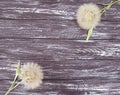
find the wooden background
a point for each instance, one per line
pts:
(46, 32)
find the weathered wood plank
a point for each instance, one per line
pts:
(63, 29)
(67, 70)
(50, 9)
(46, 32)
(56, 49)
(84, 77)
(66, 87)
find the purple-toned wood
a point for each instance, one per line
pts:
(46, 32)
(63, 77)
(60, 29)
(50, 9)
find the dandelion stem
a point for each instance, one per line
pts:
(16, 85)
(109, 5)
(15, 78)
(12, 85)
(90, 31)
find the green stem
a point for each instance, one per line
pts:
(15, 78)
(16, 85)
(90, 31)
(12, 85)
(109, 5)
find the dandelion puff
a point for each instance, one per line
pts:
(31, 75)
(88, 15)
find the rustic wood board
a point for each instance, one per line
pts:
(46, 32)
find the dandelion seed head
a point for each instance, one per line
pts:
(31, 75)
(88, 15)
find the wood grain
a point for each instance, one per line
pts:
(65, 77)
(67, 70)
(53, 49)
(63, 29)
(46, 32)
(51, 9)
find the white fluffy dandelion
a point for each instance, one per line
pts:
(88, 15)
(31, 75)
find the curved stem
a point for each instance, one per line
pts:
(109, 5)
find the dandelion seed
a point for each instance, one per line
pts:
(31, 75)
(88, 15)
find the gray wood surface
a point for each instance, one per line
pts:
(46, 32)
